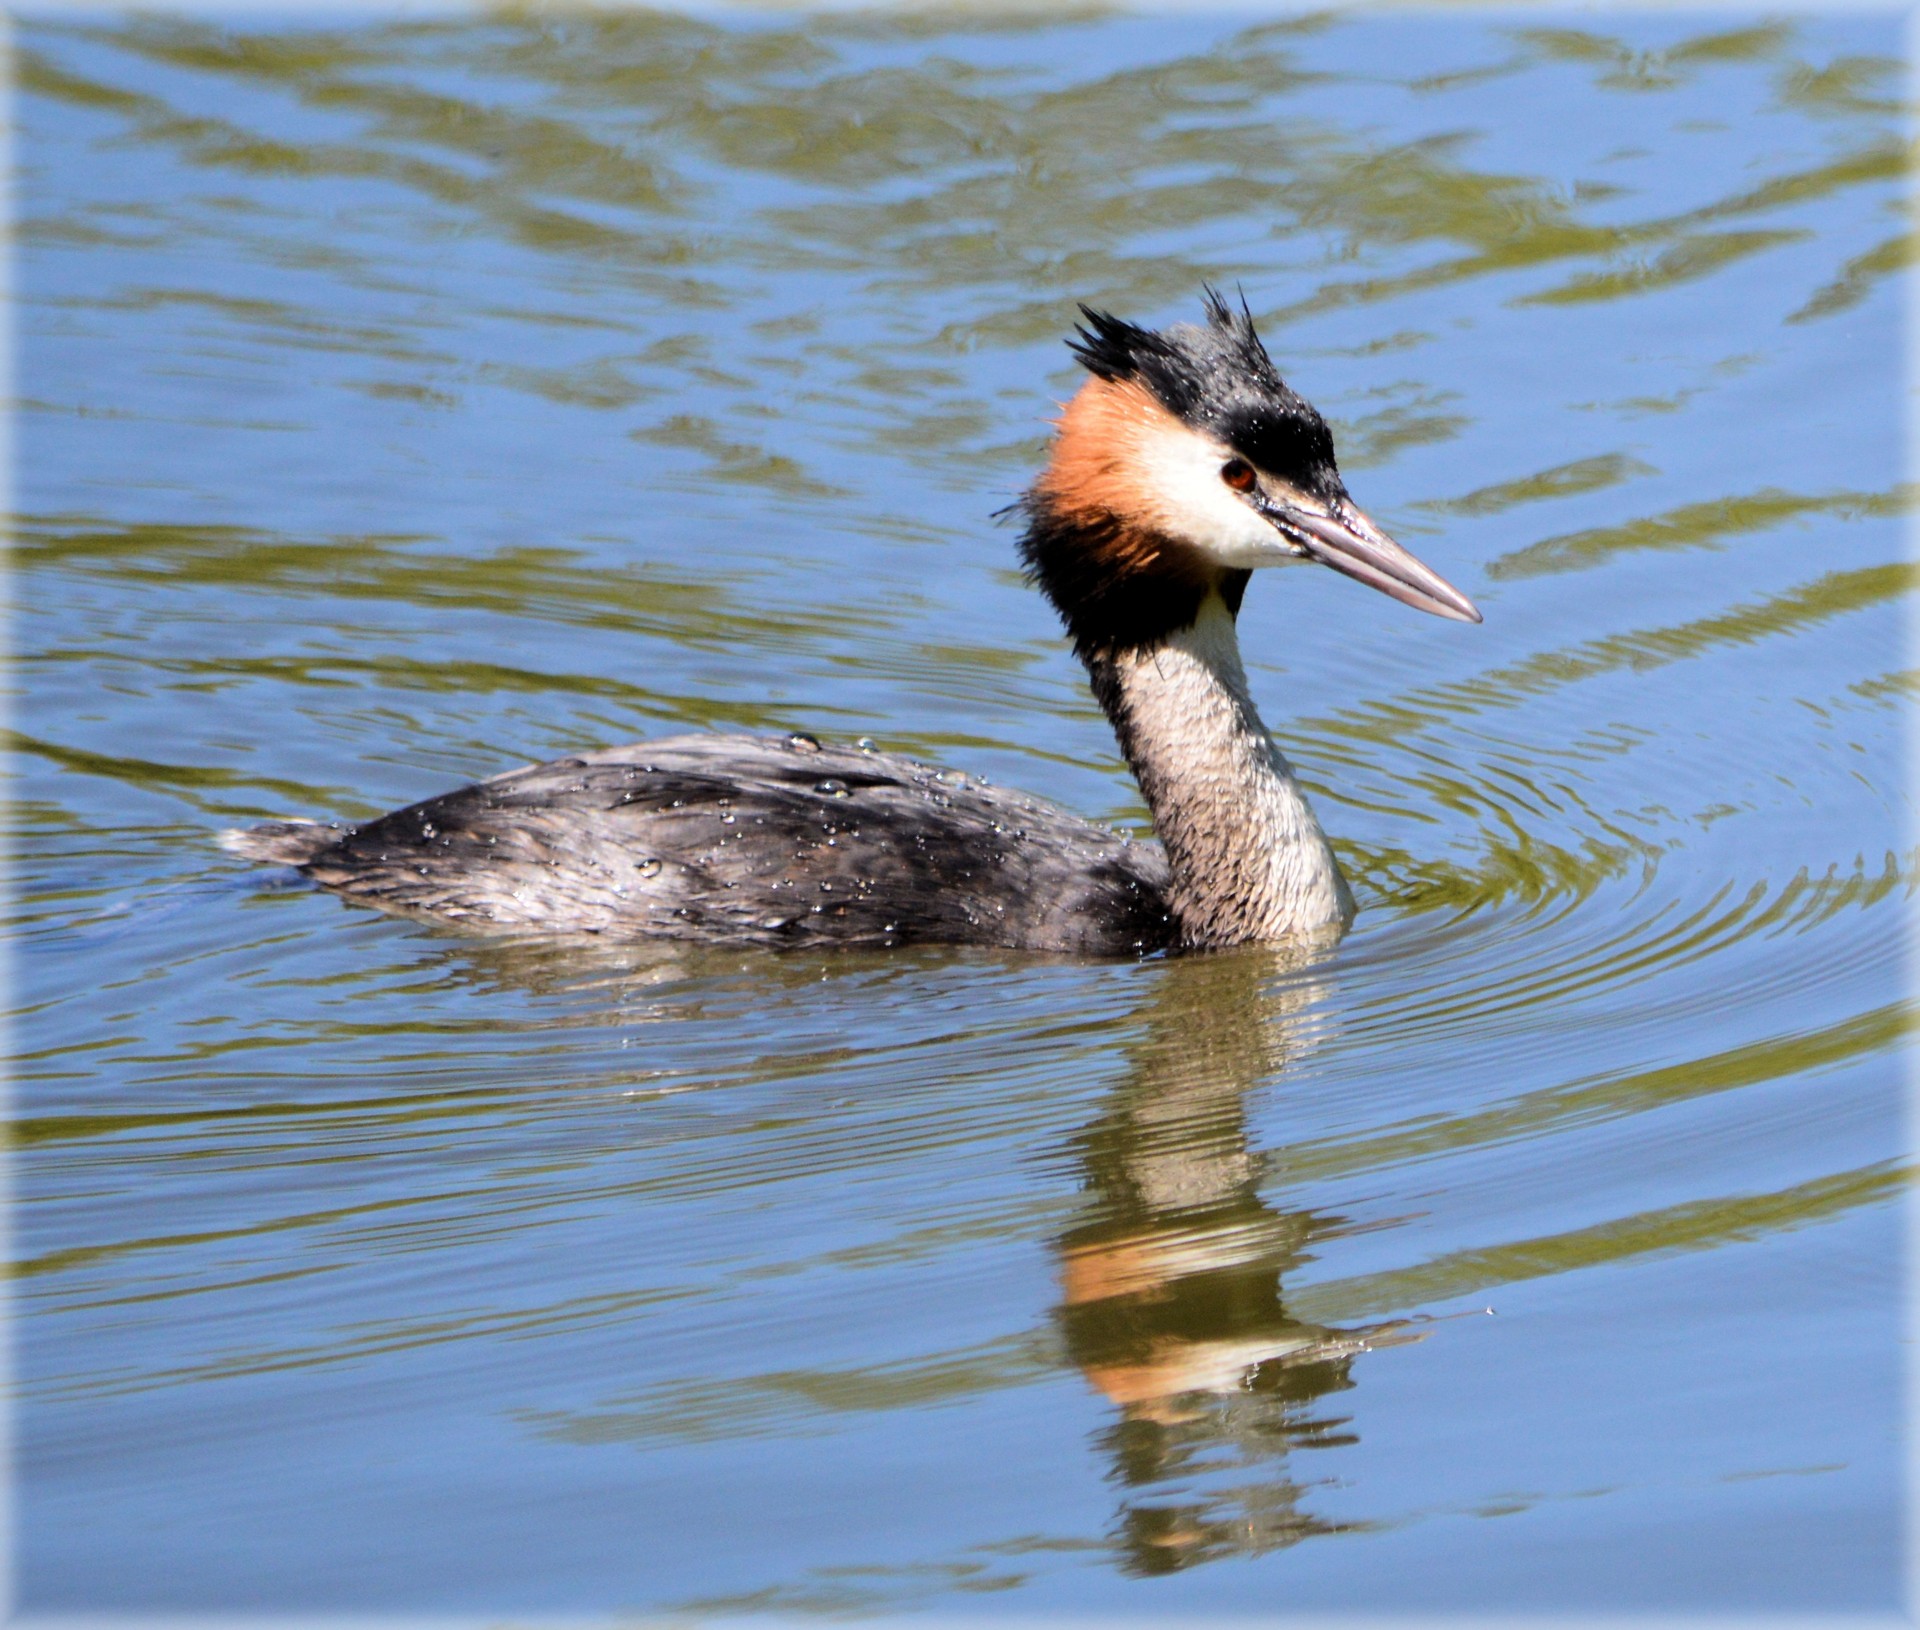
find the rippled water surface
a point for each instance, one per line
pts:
(401, 401)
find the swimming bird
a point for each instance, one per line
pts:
(1183, 464)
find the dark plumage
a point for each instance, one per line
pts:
(1078, 561)
(775, 840)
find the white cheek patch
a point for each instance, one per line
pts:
(1179, 475)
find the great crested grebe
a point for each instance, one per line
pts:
(1182, 464)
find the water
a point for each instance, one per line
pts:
(404, 400)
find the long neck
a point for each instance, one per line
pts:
(1249, 861)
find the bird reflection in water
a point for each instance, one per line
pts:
(1172, 1281)
(1172, 1284)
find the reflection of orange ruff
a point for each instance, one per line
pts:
(1145, 1267)
(1138, 1264)
(1174, 1367)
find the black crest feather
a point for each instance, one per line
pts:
(1113, 348)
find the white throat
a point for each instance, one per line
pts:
(1249, 861)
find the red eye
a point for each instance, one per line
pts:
(1238, 474)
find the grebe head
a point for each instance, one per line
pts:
(1184, 463)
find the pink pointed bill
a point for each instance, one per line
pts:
(1347, 540)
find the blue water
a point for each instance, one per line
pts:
(402, 400)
